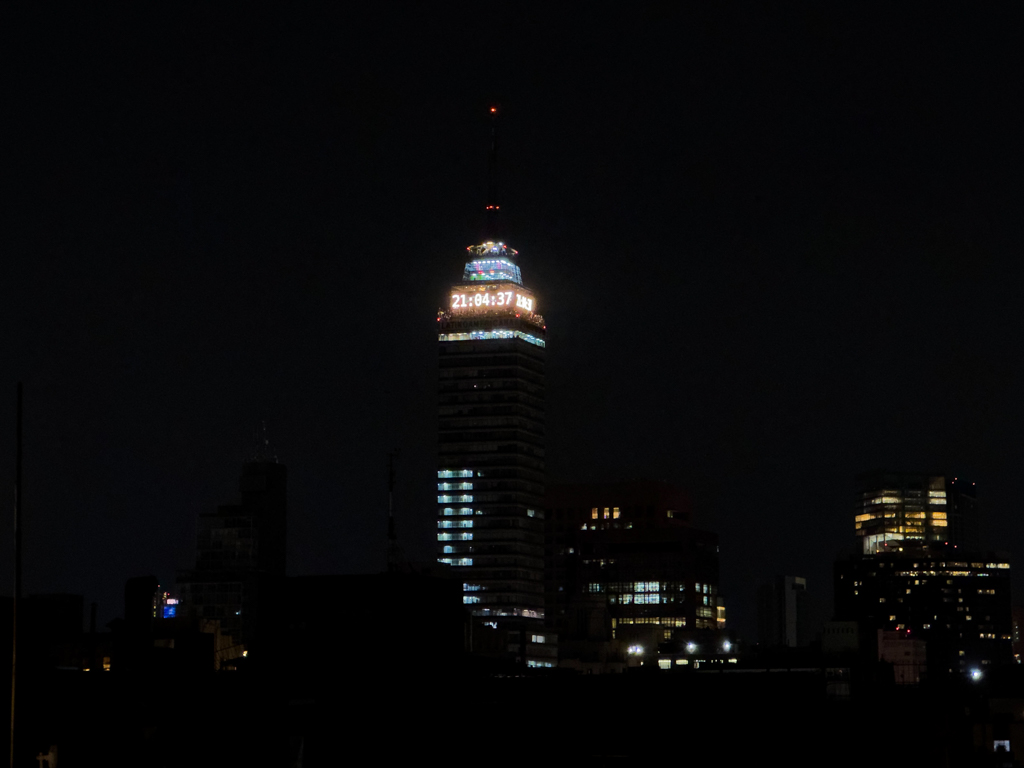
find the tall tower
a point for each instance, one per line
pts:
(490, 478)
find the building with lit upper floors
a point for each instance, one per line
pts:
(891, 508)
(919, 571)
(625, 566)
(490, 477)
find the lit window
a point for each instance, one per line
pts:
(607, 513)
(593, 514)
(615, 513)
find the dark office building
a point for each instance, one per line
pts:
(490, 478)
(240, 559)
(958, 603)
(895, 509)
(782, 616)
(624, 560)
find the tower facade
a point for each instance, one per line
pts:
(490, 476)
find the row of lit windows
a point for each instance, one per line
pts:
(455, 524)
(456, 561)
(455, 486)
(667, 663)
(612, 511)
(451, 499)
(455, 537)
(951, 565)
(443, 473)
(637, 586)
(912, 518)
(448, 511)
(627, 599)
(667, 621)
(495, 334)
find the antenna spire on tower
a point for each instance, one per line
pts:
(492, 208)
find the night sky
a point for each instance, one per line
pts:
(772, 251)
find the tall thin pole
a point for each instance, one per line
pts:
(392, 535)
(491, 223)
(17, 566)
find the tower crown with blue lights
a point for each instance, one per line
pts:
(492, 261)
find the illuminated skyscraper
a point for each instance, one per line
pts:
(894, 509)
(490, 478)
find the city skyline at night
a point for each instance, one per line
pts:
(727, 381)
(774, 250)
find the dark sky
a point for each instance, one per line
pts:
(773, 250)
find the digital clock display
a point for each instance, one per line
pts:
(494, 297)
